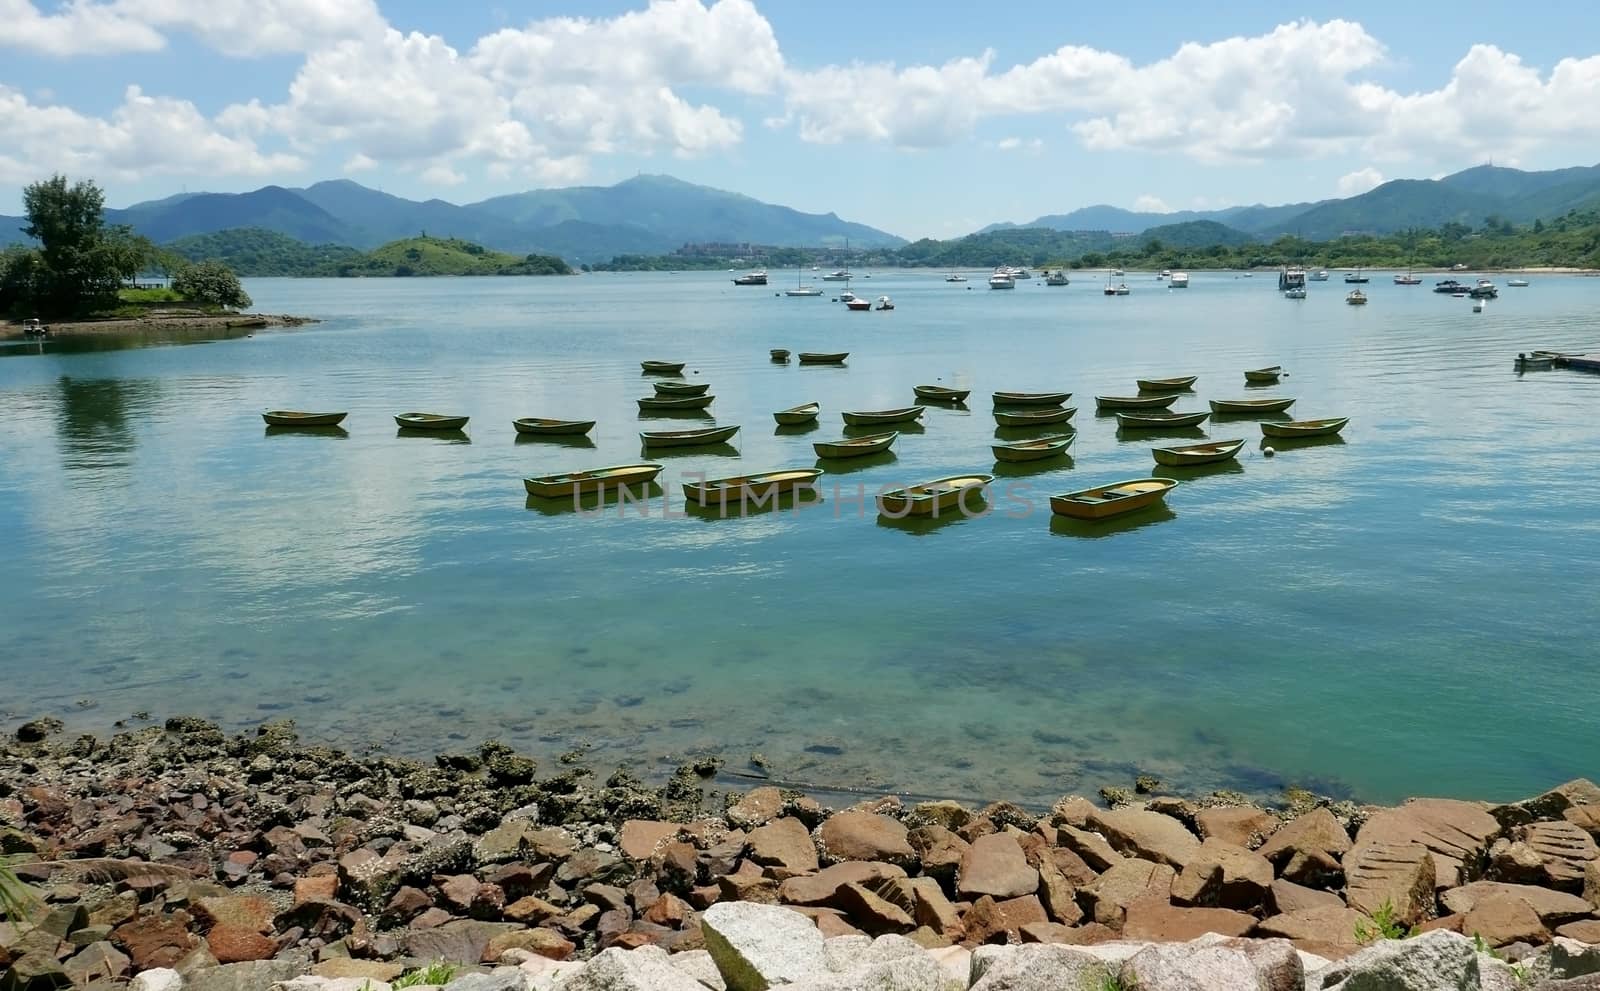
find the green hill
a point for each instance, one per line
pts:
(421, 256)
(258, 252)
(1196, 234)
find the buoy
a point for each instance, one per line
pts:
(1267, 452)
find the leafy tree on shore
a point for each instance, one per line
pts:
(80, 262)
(210, 282)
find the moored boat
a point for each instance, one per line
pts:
(296, 418)
(1250, 405)
(682, 388)
(858, 418)
(779, 354)
(804, 413)
(552, 428)
(1305, 428)
(662, 367)
(1179, 280)
(1535, 360)
(1034, 417)
(1002, 280)
(1263, 376)
(579, 482)
(885, 303)
(1112, 500)
(1031, 398)
(757, 488)
(687, 438)
(675, 402)
(855, 447)
(1197, 454)
(1134, 402)
(941, 394)
(1147, 421)
(431, 421)
(1166, 385)
(1517, 283)
(1034, 449)
(932, 498)
(856, 304)
(756, 278)
(823, 357)
(1356, 298)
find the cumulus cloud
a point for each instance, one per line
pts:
(1151, 204)
(1357, 182)
(78, 29)
(234, 27)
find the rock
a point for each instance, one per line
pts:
(939, 851)
(231, 943)
(1036, 967)
(1148, 835)
(360, 970)
(823, 887)
(1560, 851)
(531, 910)
(1452, 831)
(994, 865)
(157, 979)
(326, 920)
(1110, 894)
(668, 910)
(641, 838)
(499, 979)
(1500, 918)
(758, 946)
(1092, 848)
(1216, 964)
(853, 835)
(1583, 931)
(1400, 875)
(1073, 810)
(1554, 907)
(1240, 825)
(758, 807)
(251, 913)
(989, 921)
(254, 975)
(34, 972)
(1565, 958)
(97, 961)
(945, 814)
(1156, 920)
(545, 943)
(319, 887)
(1307, 849)
(518, 839)
(464, 940)
(749, 884)
(925, 901)
(1223, 874)
(784, 842)
(1553, 804)
(699, 965)
(36, 730)
(1330, 927)
(156, 940)
(1433, 961)
(1585, 817)
(872, 914)
(458, 891)
(908, 973)
(1056, 890)
(1286, 896)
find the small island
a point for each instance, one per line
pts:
(254, 251)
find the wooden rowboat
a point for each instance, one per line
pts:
(855, 447)
(1031, 398)
(1166, 385)
(1250, 405)
(662, 367)
(779, 354)
(804, 413)
(1033, 418)
(295, 418)
(1145, 421)
(1037, 449)
(823, 358)
(1134, 402)
(579, 482)
(682, 388)
(940, 394)
(1262, 376)
(675, 402)
(758, 488)
(867, 417)
(1112, 500)
(431, 421)
(931, 498)
(687, 438)
(552, 428)
(1305, 428)
(1197, 454)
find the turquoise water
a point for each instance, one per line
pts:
(1408, 610)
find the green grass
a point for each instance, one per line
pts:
(1383, 926)
(148, 296)
(15, 899)
(436, 973)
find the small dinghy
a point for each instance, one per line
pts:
(575, 483)
(1166, 385)
(1147, 421)
(295, 418)
(1033, 418)
(1197, 454)
(863, 418)
(1264, 376)
(1305, 428)
(804, 413)
(541, 426)
(932, 498)
(1037, 449)
(1112, 500)
(1134, 402)
(662, 367)
(675, 402)
(431, 421)
(855, 447)
(758, 488)
(687, 438)
(1237, 406)
(823, 357)
(682, 388)
(1031, 398)
(940, 394)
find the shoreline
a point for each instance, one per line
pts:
(178, 321)
(255, 859)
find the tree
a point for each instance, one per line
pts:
(81, 262)
(211, 282)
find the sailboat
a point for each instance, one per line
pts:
(801, 290)
(1121, 289)
(1355, 277)
(1409, 279)
(841, 274)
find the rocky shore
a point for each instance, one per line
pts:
(173, 322)
(177, 857)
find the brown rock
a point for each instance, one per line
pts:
(1394, 874)
(99, 961)
(361, 970)
(670, 911)
(823, 887)
(704, 897)
(872, 914)
(546, 943)
(1553, 804)
(1045, 932)
(1554, 907)
(1240, 825)
(748, 884)
(326, 920)
(1500, 918)
(1591, 883)
(989, 921)
(641, 838)
(946, 814)
(925, 901)
(758, 807)
(1147, 835)
(1074, 811)
(531, 910)
(1585, 817)
(852, 835)
(783, 842)
(978, 825)
(995, 866)
(1155, 920)
(1110, 894)
(679, 865)
(521, 880)
(404, 905)
(235, 944)
(1223, 874)
(1286, 896)
(832, 924)
(318, 887)
(1056, 890)
(1560, 850)
(156, 940)
(938, 850)
(1091, 848)
(1584, 931)
(1329, 926)
(458, 891)
(248, 912)
(115, 910)
(1452, 831)
(1307, 849)
(1450, 923)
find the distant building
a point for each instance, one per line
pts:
(722, 249)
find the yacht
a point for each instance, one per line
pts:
(801, 289)
(1002, 280)
(1356, 298)
(1291, 277)
(1409, 279)
(1021, 273)
(1297, 293)
(1165, 273)
(757, 278)
(839, 275)
(1179, 280)
(1320, 275)
(1483, 290)
(1056, 277)
(1356, 278)
(1517, 283)
(955, 277)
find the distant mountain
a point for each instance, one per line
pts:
(251, 251)
(1120, 221)
(270, 207)
(257, 252)
(1393, 206)
(1196, 234)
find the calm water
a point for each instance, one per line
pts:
(1409, 610)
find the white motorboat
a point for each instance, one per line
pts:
(1165, 273)
(1056, 277)
(1517, 283)
(1002, 280)
(838, 275)
(756, 278)
(1298, 292)
(801, 289)
(1321, 275)
(885, 303)
(955, 277)
(1179, 280)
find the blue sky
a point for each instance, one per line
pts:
(926, 119)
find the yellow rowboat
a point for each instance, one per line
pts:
(1166, 385)
(682, 388)
(580, 482)
(1146, 421)
(1197, 454)
(1305, 428)
(758, 488)
(687, 438)
(1250, 405)
(779, 354)
(804, 413)
(855, 447)
(295, 418)
(867, 417)
(940, 394)
(823, 358)
(1033, 418)
(1037, 449)
(1031, 398)
(1112, 500)
(1134, 402)
(675, 402)
(1264, 376)
(552, 428)
(932, 498)
(431, 421)
(662, 367)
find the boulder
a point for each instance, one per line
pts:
(364, 970)
(1452, 831)
(1583, 931)
(872, 914)
(1565, 958)
(1240, 825)
(97, 961)
(318, 887)
(944, 813)
(1092, 848)
(1585, 817)
(1554, 907)
(1109, 895)
(756, 808)
(1158, 921)
(545, 943)
(1500, 919)
(939, 851)
(1212, 963)
(1286, 896)
(157, 979)
(235, 944)
(1398, 875)
(645, 969)
(1433, 961)
(1147, 835)
(989, 921)
(925, 901)
(254, 975)
(463, 940)
(1553, 804)
(1223, 874)
(995, 865)
(823, 887)
(1329, 930)
(784, 842)
(1553, 854)
(499, 979)
(758, 946)
(1035, 967)
(907, 973)
(1307, 849)
(252, 913)
(641, 838)
(857, 835)
(520, 839)
(1056, 890)
(156, 941)
(699, 965)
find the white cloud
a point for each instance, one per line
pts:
(1018, 144)
(1151, 204)
(1357, 182)
(442, 175)
(145, 135)
(359, 163)
(234, 27)
(78, 29)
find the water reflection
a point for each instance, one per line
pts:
(737, 508)
(1024, 469)
(976, 508)
(850, 466)
(723, 450)
(93, 419)
(1298, 443)
(1066, 526)
(448, 436)
(280, 431)
(795, 429)
(574, 441)
(1186, 472)
(868, 429)
(1135, 434)
(611, 496)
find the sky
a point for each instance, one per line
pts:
(927, 119)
